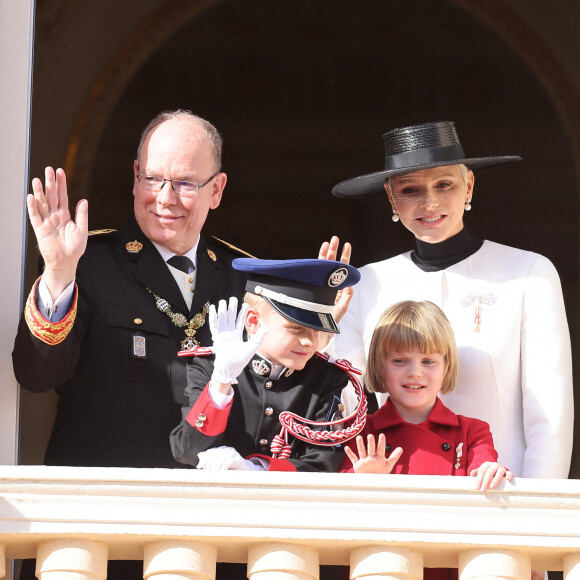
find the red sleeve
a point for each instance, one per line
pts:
(479, 443)
(206, 417)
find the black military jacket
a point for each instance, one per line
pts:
(115, 409)
(313, 393)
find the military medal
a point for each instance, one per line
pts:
(180, 320)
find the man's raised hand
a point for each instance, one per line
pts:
(61, 240)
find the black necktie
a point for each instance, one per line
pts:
(182, 263)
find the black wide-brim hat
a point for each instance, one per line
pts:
(415, 148)
(302, 291)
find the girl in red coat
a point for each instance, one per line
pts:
(413, 357)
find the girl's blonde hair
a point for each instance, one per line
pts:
(408, 326)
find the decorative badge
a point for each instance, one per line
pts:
(260, 367)
(139, 346)
(337, 277)
(212, 255)
(134, 247)
(459, 455)
(477, 300)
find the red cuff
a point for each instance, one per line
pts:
(275, 464)
(51, 333)
(206, 417)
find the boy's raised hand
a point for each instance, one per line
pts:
(373, 459)
(232, 353)
(489, 474)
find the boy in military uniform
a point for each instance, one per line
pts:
(239, 397)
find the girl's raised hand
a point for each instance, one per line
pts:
(373, 458)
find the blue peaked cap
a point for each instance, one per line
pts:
(302, 291)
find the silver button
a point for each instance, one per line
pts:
(263, 442)
(269, 411)
(268, 384)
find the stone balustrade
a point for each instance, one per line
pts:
(284, 525)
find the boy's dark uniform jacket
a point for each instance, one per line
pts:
(251, 421)
(115, 409)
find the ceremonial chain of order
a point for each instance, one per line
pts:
(180, 320)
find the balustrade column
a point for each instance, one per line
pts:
(489, 564)
(282, 562)
(572, 567)
(374, 563)
(176, 560)
(71, 560)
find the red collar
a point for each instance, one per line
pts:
(387, 415)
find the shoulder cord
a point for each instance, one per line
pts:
(292, 423)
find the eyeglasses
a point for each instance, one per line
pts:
(156, 183)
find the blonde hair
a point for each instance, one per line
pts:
(408, 326)
(258, 304)
(463, 169)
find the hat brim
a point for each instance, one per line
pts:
(373, 183)
(315, 320)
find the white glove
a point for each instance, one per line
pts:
(232, 354)
(222, 458)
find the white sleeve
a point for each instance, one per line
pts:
(220, 400)
(546, 359)
(55, 310)
(349, 344)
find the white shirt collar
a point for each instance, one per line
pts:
(166, 254)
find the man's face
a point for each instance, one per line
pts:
(177, 149)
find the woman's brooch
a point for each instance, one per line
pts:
(477, 300)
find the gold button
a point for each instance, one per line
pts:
(263, 442)
(269, 411)
(268, 385)
(191, 280)
(191, 288)
(137, 321)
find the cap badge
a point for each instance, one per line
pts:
(134, 247)
(337, 277)
(212, 255)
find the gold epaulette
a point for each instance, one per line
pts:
(98, 232)
(232, 247)
(50, 333)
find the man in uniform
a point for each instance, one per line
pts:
(104, 323)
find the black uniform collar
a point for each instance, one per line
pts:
(435, 257)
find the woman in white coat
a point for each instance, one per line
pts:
(505, 304)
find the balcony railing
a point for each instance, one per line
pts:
(180, 522)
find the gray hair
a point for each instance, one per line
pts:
(462, 168)
(212, 133)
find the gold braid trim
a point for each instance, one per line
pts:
(50, 333)
(231, 246)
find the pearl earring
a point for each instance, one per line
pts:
(395, 216)
(468, 205)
